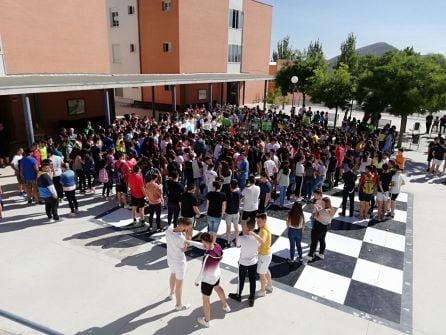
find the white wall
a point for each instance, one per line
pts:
(124, 35)
(2, 60)
(235, 36)
(236, 4)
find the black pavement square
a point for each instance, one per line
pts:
(347, 229)
(284, 272)
(382, 255)
(389, 225)
(374, 300)
(334, 262)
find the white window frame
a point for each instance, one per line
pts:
(167, 47)
(131, 10)
(116, 54)
(235, 19)
(234, 53)
(132, 47)
(114, 17)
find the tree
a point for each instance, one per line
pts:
(405, 82)
(333, 88)
(349, 56)
(304, 68)
(285, 51)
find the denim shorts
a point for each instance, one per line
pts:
(213, 224)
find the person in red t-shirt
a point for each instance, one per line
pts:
(121, 183)
(339, 153)
(138, 193)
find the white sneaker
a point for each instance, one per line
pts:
(72, 214)
(260, 293)
(226, 308)
(52, 221)
(170, 297)
(269, 289)
(321, 256)
(183, 307)
(203, 322)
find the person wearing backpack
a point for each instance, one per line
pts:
(366, 190)
(105, 176)
(348, 193)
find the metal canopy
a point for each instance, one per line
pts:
(45, 83)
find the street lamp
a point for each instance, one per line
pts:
(294, 80)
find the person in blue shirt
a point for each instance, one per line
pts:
(242, 170)
(48, 192)
(28, 169)
(68, 181)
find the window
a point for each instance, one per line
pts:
(114, 17)
(132, 47)
(119, 92)
(166, 87)
(116, 53)
(131, 10)
(167, 5)
(167, 47)
(235, 19)
(234, 53)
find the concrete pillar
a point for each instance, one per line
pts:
(107, 108)
(174, 98)
(153, 101)
(210, 97)
(264, 95)
(28, 119)
(244, 89)
(221, 93)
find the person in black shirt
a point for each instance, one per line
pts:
(349, 179)
(383, 194)
(216, 207)
(175, 189)
(232, 215)
(438, 154)
(430, 151)
(331, 169)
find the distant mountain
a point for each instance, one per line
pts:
(379, 49)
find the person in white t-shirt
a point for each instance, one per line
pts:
(56, 163)
(395, 189)
(209, 177)
(250, 196)
(176, 259)
(269, 166)
(15, 166)
(249, 256)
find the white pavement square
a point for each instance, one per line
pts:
(343, 245)
(385, 239)
(379, 275)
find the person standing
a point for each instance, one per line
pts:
(383, 195)
(138, 195)
(283, 181)
(323, 218)
(299, 173)
(154, 191)
(121, 171)
(68, 182)
(295, 222)
(16, 167)
(265, 193)
(47, 191)
(249, 254)
(395, 189)
(215, 207)
(242, 170)
(209, 276)
(232, 215)
(56, 162)
(175, 190)
(189, 206)
(4, 146)
(366, 190)
(429, 120)
(176, 260)
(28, 169)
(348, 192)
(250, 195)
(439, 154)
(265, 255)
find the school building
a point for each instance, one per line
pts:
(65, 62)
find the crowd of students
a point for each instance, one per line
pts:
(227, 158)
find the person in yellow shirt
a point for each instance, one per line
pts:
(265, 255)
(400, 159)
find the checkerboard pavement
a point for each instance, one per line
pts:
(364, 267)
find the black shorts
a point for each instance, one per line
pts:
(122, 188)
(393, 196)
(249, 215)
(137, 202)
(206, 289)
(365, 197)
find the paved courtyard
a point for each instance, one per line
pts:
(88, 276)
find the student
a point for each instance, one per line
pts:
(396, 183)
(47, 191)
(175, 189)
(121, 171)
(317, 204)
(232, 215)
(283, 181)
(383, 196)
(68, 181)
(265, 255)
(250, 196)
(295, 222)
(138, 195)
(322, 220)
(247, 263)
(400, 160)
(209, 276)
(29, 167)
(366, 190)
(348, 193)
(215, 207)
(176, 260)
(15, 166)
(265, 193)
(154, 192)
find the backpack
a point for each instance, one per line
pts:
(117, 174)
(103, 176)
(368, 187)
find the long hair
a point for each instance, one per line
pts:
(328, 206)
(296, 215)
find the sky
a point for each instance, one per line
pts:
(401, 23)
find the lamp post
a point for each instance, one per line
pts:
(294, 80)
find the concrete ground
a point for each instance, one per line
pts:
(78, 277)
